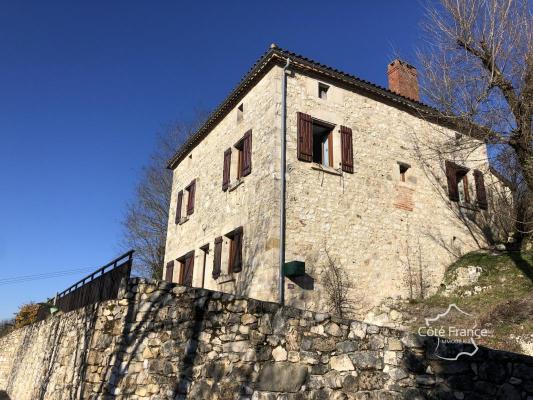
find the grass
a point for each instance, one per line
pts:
(505, 304)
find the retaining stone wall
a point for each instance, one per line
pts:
(163, 341)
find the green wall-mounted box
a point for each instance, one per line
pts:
(294, 268)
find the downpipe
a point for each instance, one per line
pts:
(283, 183)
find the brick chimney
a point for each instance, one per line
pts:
(403, 79)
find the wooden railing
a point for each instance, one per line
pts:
(102, 284)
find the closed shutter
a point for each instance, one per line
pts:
(305, 137)
(236, 265)
(226, 170)
(451, 177)
(190, 202)
(247, 153)
(217, 258)
(481, 193)
(188, 267)
(178, 206)
(347, 149)
(169, 271)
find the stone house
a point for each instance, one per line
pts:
(358, 195)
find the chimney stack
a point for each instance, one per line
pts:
(403, 79)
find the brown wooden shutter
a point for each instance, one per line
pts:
(190, 202)
(247, 153)
(169, 271)
(481, 193)
(237, 250)
(217, 257)
(451, 176)
(305, 137)
(178, 206)
(347, 149)
(226, 170)
(188, 267)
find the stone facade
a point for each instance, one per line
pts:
(164, 341)
(371, 223)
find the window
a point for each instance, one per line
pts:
(244, 160)
(462, 188)
(459, 189)
(403, 169)
(323, 91)
(186, 268)
(235, 250)
(179, 206)
(191, 189)
(240, 113)
(315, 143)
(322, 144)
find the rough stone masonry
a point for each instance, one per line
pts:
(164, 341)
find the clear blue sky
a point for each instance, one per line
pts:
(86, 86)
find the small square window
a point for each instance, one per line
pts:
(323, 91)
(240, 112)
(403, 169)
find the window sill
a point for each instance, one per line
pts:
(468, 206)
(183, 220)
(327, 170)
(234, 185)
(225, 278)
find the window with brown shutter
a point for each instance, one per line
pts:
(179, 206)
(217, 257)
(169, 272)
(305, 137)
(481, 193)
(451, 177)
(235, 251)
(346, 149)
(186, 268)
(244, 155)
(191, 189)
(226, 170)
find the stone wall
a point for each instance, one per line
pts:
(163, 341)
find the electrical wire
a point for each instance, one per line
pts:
(47, 275)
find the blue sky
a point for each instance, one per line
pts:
(86, 86)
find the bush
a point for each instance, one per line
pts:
(27, 315)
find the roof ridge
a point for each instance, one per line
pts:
(275, 51)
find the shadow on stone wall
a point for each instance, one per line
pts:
(4, 395)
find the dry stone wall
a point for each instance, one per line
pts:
(163, 341)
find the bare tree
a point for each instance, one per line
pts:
(478, 72)
(336, 284)
(146, 218)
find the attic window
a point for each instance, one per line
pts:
(403, 169)
(323, 91)
(240, 112)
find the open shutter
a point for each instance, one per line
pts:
(481, 193)
(226, 170)
(451, 177)
(247, 153)
(178, 206)
(217, 258)
(169, 271)
(190, 202)
(347, 149)
(305, 137)
(237, 250)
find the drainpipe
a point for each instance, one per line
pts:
(283, 183)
